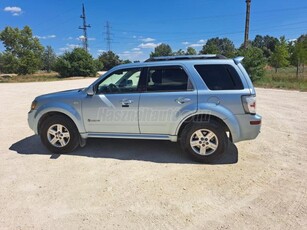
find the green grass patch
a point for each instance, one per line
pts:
(285, 78)
(282, 83)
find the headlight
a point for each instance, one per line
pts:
(33, 105)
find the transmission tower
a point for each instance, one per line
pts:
(108, 35)
(246, 35)
(84, 28)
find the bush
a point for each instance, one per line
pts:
(28, 64)
(62, 66)
(8, 63)
(254, 62)
(77, 63)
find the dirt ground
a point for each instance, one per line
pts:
(134, 184)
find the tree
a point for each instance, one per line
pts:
(191, 51)
(221, 46)
(109, 60)
(254, 61)
(49, 59)
(298, 51)
(162, 50)
(127, 61)
(179, 52)
(280, 55)
(266, 43)
(303, 40)
(23, 48)
(76, 63)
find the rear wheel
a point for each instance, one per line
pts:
(204, 142)
(59, 134)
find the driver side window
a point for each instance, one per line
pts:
(120, 81)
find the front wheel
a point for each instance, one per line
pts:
(204, 142)
(59, 134)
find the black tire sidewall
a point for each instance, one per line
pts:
(73, 131)
(212, 126)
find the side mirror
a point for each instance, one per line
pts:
(90, 91)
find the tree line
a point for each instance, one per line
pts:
(261, 52)
(24, 54)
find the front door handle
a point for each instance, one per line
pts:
(182, 100)
(126, 102)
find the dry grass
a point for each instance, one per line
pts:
(37, 77)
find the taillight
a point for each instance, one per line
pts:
(249, 104)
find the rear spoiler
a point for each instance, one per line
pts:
(238, 60)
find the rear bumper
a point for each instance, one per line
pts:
(250, 126)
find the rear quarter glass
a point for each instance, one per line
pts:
(219, 76)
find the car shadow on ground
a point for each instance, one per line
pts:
(142, 150)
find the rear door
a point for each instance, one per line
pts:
(169, 97)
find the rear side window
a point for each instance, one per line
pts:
(172, 78)
(220, 77)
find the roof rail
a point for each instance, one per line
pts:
(186, 57)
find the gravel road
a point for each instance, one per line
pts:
(134, 184)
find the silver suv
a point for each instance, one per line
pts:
(202, 101)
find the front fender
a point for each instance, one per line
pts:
(220, 112)
(60, 107)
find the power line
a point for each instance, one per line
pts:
(84, 28)
(170, 35)
(213, 17)
(219, 33)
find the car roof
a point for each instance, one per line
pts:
(179, 60)
(187, 57)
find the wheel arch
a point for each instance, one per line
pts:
(45, 116)
(65, 110)
(229, 123)
(203, 118)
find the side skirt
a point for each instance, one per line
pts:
(130, 136)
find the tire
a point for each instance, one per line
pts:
(204, 142)
(59, 134)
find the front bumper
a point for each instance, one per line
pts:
(31, 121)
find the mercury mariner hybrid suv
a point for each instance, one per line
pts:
(201, 101)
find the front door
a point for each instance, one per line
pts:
(114, 106)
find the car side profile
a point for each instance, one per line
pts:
(202, 101)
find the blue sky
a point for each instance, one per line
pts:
(138, 26)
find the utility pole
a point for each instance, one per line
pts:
(108, 35)
(246, 35)
(84, 28)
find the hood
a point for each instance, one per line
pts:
(61, 94)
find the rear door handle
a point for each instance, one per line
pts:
(182, 100)
(126, 102)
